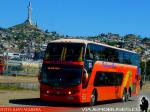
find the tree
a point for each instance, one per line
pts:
(145, 40)
(142, 65)
(148, 67)
(138, 50)
(130, 37)
(46, 31)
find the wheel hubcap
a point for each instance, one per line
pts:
(123, 98)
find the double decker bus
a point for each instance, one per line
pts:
(81, 71)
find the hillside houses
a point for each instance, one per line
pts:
(28, 39)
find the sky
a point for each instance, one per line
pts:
(81, 17)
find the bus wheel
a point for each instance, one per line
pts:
(124, 96)
(93, 99)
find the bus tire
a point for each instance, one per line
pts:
(92, 99)
(124, 96)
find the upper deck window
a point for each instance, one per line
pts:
(103, 53)
(65, 52)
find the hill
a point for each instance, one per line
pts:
(26, 36)
(24, 26)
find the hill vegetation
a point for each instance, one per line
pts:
(22, 36)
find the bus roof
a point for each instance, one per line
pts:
(86, 42)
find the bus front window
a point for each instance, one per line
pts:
(64, 52)
(62, 77)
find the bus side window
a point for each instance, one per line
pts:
(108, 79)
(96, 56)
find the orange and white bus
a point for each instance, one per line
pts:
(81, 71)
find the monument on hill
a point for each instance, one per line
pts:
(29, 19)
(28, 24)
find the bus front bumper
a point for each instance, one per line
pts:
(61, 98)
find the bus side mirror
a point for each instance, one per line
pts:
(85, 77)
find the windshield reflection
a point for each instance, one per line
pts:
(62, 77)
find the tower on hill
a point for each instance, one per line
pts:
(29, 19)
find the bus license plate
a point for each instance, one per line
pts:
(70, 98)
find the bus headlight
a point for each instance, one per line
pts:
(73, 92)
(69, 92)
(47, 91)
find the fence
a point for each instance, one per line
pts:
(28, 68)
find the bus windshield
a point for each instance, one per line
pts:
(64, 52)
(62, 77)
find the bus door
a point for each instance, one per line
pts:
(108, 84)
(102, 82)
